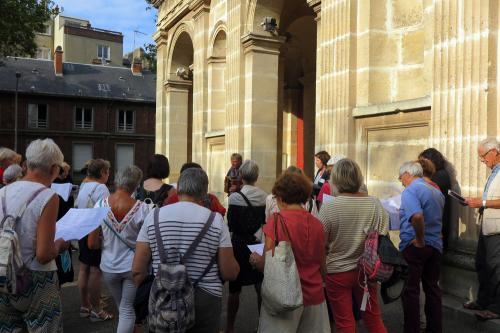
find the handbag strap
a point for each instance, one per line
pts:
(279, 218)
(118, 235)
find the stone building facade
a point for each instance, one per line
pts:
(377, 80)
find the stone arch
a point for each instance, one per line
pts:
(181, 45)
(219, 31)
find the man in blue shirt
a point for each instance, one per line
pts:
(421, 244)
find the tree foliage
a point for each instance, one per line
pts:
(150, 56)
(19, 21)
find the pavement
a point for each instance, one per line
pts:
(455, 318)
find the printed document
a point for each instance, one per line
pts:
(78, 223)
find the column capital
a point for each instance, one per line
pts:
(262, 44)
(160, 37)
(177, 85)
(316, 7)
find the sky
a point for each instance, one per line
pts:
(124, 16)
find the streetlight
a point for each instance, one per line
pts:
(18, 76)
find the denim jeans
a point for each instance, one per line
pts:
(122, 289)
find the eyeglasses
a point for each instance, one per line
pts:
(483, 156)
(401, 176)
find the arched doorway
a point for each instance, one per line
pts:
(284, 61)
(298, 85)
(179, 102)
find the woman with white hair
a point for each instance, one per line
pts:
(12, 173)
(7, 158)
(36, 304)
(117, 237)
(245, 216)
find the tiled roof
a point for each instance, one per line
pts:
(78, 80)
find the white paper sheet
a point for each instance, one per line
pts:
(258, 248)
(327, 198)
(392, 205)
(78, 223)
(64, 190)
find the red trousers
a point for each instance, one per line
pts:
(340, 287)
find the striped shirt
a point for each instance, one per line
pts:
(345, 221)
(180, 223)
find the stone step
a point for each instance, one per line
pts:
(454, 311)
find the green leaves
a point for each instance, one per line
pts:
(19, 21)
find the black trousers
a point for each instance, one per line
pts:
(424, 266)
(488, 272)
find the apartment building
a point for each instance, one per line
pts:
(80, 42)
(90, 111)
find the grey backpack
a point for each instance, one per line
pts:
(171, 301)
(11, 264)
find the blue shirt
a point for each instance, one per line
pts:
(494, 172)
(421, 197)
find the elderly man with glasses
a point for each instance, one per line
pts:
(488, 245)
(422, 246)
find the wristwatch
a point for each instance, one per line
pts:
(484, 204)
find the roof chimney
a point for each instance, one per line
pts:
(58, 63)
(137, 67)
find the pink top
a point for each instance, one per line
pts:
(308, 244)
(325, 189)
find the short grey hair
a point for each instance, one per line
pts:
(128, 178)
(490, 143)
(193, 182)
(413, 168)
(7, 155)
(12, 173)
(346, 176)
(249, 171)
(43, 154)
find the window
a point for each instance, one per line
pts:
(82, 152)
(124, 156)
(43, 53)
(126, 121)
(37, 116)
(103, 52)
(84, 118)
(47, 29)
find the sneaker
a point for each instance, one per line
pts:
(100, 316)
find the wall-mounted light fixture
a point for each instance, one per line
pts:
(269, 24)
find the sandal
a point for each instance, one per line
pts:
(100, 316)
(487, 315)
(472, 305)
(84, 312)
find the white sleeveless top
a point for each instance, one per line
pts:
(18, 193)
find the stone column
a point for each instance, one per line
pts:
(161, 63)
(337, 76)
(201, 9)
(235, 79)
(176, 126)
(464, 111)
(464, 95)
(261, 104)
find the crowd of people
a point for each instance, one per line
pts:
(164, 251)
